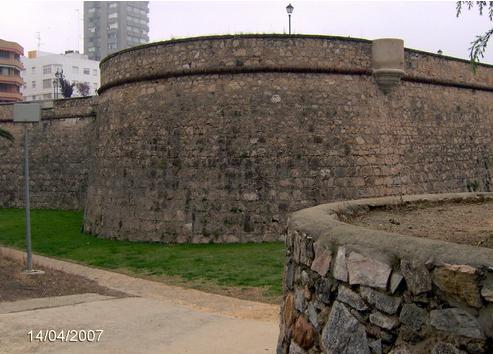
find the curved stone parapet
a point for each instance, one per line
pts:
(349, 289)
(217, 139)
(282, 53)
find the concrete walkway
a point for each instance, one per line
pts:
(155, 318)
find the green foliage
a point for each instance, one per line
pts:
(6, 135)
(82, 88)
(208, 266)
(66, 88)
(478, 46)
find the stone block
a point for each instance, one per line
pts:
(299, 300)
(323, 258)
(375, 346)
(343, 333)
(487, 289)
(395, 281)
(409, 335)
(323, 289)
(303, 333)
(417, 276)
(303, 249)
(313, 315)
(456, 321)
(289, 275)
(401, 349)
(384, 321)
(290, 313)
(459, 282)
(365, 270)
(340, 266)
(444, 348)
(351, 298)
(295, 349)
(413, 316)
(380, 301)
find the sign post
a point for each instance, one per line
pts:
(27, 113)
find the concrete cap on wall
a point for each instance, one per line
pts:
(388, 62)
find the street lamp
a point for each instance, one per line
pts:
(289, 10)
(56, 82)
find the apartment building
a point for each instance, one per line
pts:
(41, 68)
(10, 71)
(110, 26)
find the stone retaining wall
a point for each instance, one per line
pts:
(353, 290)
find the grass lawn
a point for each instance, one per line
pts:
(251, 271)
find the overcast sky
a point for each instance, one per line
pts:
(427, 26)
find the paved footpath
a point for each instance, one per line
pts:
(154, 318)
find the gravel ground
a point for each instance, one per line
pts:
(464, 223)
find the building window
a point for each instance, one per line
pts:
(57, 68)
(92, 29)
(91, 10)
(46, 83)
(4, 54)
(95, 85)
(113, 15)
(112, 5)
(113, 25)
(112, 46)
(94, 72)
(46, 69)
(92, 49)
(33, 70)
(87, 71)
(33, 84)
(75, 69)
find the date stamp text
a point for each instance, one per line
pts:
(65, 335)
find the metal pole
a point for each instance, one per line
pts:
(289, 23)
(26, 200)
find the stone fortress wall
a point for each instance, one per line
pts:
(220, 138)
(59, 155)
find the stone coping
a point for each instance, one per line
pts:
(323, 224)
(73, 107)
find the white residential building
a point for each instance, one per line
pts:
(40, 69)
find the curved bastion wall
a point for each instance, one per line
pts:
(217, 139)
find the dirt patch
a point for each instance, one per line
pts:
(15, 285)
(463, 223)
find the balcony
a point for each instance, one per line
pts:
(11, 79)
(12, 47)
(11, 96)
(12, 62)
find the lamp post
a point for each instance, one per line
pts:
(56, 82)
(289, 10)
